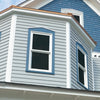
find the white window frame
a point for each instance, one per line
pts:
(84, 69)
(41, 51)
(74, 12)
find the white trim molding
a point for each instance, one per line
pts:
(92, 70)
(98, 1)
(26, 3)
(74, 12)
(68, 65)
(94, 5)
(10, 48)
(96, 55)
(35, 3)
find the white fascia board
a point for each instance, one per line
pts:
(68, 67)
(26, 3)
(43, 4)
(92, 6)
(40, 13)
(50, 90)
(38, 5)
(10, 48)
(67, 18)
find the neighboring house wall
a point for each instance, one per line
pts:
(5, 24)
(91, 19)
(19, 74)
(76, 37)
(96, 64)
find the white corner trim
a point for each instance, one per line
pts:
(74, 12)
(10, 48)
(92, 70)
(68, 61)
(92, 7)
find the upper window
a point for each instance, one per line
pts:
(82, 66)
(77, 14)
(40, 58)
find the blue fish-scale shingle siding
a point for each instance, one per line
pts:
(91, 19)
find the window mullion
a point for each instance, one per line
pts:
(40, 51)
(82, 67)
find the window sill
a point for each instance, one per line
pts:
(40, 72)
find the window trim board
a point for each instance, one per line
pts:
(46, 31)
(83, 50)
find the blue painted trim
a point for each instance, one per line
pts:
(53, 47)
(77, 44)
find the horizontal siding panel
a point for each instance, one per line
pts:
(5, 24)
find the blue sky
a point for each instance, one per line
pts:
(6, 3)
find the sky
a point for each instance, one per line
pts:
(6, 3)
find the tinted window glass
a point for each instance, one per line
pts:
(77, 18)
(40, 42)
(81, 58)
(81, 75)
(40, 61)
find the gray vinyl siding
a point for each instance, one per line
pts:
(5, 24)
(19, 74)
(96, 67)
(76, 37)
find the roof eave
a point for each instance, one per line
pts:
(22, 88)
(63, 16)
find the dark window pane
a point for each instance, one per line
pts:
(77, 18)
(81, 58)
(40, 61)
(81, 75)
(40, 42)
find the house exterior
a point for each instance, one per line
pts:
(47, 54)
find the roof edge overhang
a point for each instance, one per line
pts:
(34, 3)
(94, 5)
(48, 90)
(67, 17)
